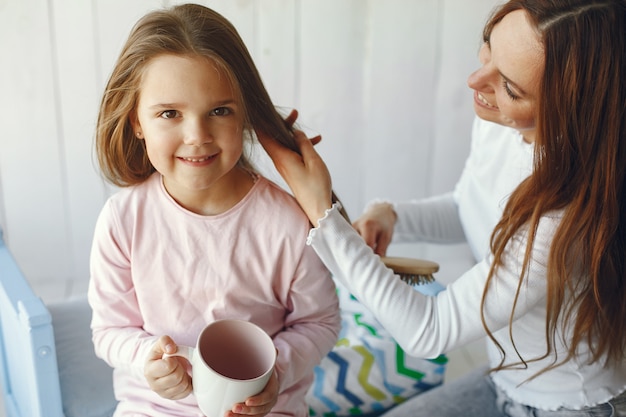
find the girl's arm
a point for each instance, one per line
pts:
(117, 323)
(313, 324)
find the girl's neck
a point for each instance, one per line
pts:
(218, 198)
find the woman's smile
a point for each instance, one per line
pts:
(481, 100)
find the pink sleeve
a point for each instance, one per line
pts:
(312, 327)
(117, 323)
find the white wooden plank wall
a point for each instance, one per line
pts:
(382, 80)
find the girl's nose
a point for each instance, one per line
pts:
(198, 133)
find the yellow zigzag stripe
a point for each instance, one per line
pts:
(368, 361)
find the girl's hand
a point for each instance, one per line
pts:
(259, 405)
(167, 377)
(376, 226)
(306, 174)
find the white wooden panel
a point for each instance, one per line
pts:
(114, 20)
(461, 36)
(31, 160)
(275, 49)
(401, 70)
(332, 51)
(79, 94)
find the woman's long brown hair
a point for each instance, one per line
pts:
(190, 30)
(580, 162)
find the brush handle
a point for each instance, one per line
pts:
(410, 266)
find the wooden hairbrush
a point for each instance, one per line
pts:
(410, 270)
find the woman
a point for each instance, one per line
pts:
(550, 295)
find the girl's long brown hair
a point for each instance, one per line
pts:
(580, 162)
(190, 30)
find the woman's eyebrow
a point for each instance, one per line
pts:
(513, 84)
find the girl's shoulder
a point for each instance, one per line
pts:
(278, 201)
(127, 201)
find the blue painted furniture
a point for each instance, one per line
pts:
(28, 361)
(47, 364)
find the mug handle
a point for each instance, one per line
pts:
(183, 351)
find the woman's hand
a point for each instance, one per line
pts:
(376, 226)
(167, 377)
(306, 174)
(260, 404)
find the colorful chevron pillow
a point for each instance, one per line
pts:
(367, 373)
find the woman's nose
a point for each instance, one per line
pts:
(476, 80)
(483, 76)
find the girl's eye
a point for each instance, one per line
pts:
(221, 111)
(508, 91)
(169, 114)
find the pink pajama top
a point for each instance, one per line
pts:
(159, 269)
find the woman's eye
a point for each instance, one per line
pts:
(169, 114)
(508, 91)
(221, 111)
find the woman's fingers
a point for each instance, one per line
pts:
(291, 118)
(306, 173)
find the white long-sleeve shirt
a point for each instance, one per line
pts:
(499, 160)
(428, 326)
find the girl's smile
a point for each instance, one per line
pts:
(198, 160)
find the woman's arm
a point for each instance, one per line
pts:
(432, 219)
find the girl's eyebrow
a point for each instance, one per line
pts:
(219, 103)
(165, 106)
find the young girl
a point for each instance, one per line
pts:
(196, 234)
(551, 294)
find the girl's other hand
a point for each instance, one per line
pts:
(167, 377)
(376, 226)
(260, 404)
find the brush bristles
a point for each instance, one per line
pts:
(413, 279)
(411, 270)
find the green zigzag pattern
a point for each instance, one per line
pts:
(403, 369)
